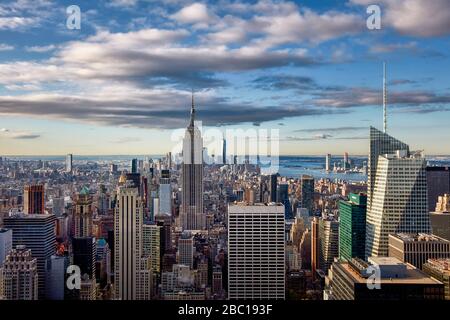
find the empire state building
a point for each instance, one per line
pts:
(191, 214)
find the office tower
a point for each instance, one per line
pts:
(33, 199)
(69, 162)
(20, 275)
(82, 216)
(37, 233)
(399, 202)
(328, 242)
(443, 203)
(84, 255)
(346, 161)
(217, 280)
(273, 187)
(134, 181)
(56, 277)
(315, 246)
(165, 193)
(440, 270)
(352, 226)
(134, 165)
(191, 211)
(5, 243)
(438, 184)
(307, 193)
(224, 152)
(380, 143)
(283, 197)
(349, 280)
(305, 250)
(103, 263)
(132, 274)
(256, 266)
(151, 244)
(186, 250)
(328, 162)
(417, 248)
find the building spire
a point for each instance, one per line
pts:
(384, 98)
(191, 124)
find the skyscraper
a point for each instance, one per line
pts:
(273, 187)
(224, 151)
(5, 243)
(307, 193)
(328, 162)
(33, 199)
(132, 274)
(315, 246)
(165, 193)
(82, 217)
(256, 251)
(399, 200)
(328, 242)
(20, 276)
(69, 162)
(352, 226)
(191, 211)
(134, 166)
(380, 143)
(151, 244)
(37, 233)
(186, 250)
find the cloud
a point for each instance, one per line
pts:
(331, 129)
(414, 17)
(387, 48)
(40, 49)
(6, 47)
(196, 13)
(146, 108)
(18, 135)
(10, 23)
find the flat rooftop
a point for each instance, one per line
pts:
(416, 237)
(412, 276)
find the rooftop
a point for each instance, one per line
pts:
(415, 237)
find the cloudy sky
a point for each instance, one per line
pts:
(311, 69)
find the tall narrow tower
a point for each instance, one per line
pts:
(384, 99)
(191, 215)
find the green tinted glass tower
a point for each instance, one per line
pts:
(352, 226)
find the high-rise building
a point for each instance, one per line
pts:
(440, 270)
(307, 193)
(273, 187)
(256, 251)
(20, 276)
(186, 250)
(283, 197)
(33, 199)
(416, 249)
(328, 162)
(37, 233)
(192, 216)
(165, 193)
(440, 224)
(380, 143)
(56, 277)
(350, 280)
(438, 184)
(82, 216)
(399, 200)
(134, 166)
(69, 162)
(224, 151)
(346, 161)
(328, 242)
(132, 274)
(84, 255)
(5, 243)
(151, 244)
(352, 226)
(315, 246)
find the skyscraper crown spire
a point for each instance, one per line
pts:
(191, 123)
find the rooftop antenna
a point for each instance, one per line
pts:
(192, 110)
(384, 98)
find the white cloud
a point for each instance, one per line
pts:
(6, 47)
(414, 17)
(40, 49)
(16, 22)
(196, 13)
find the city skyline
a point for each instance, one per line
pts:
(122, 83)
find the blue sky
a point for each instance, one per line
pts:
(311, 69)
